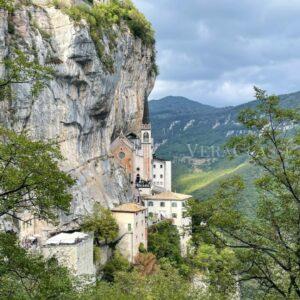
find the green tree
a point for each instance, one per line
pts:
(30, 178)
(102, 223)
(218, 267)
(28, 276)
(116, 264)
(7, 5)
(267, 247)
(19, 69)
(164, 241)
(164, 284)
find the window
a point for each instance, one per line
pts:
(146, 137)
(161, 166)
(174, 204)
(129, 227)
(150, 203)
(136, 224)
(161, 176)
(122, 155)
(183, 204)
(162, 204)
(154, 166)
(137, 168)
(150, 214)
(174, 216)
(154, 176)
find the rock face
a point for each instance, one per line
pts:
(84, 107)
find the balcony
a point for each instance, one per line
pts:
(143, 184)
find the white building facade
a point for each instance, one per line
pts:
(162, 175)
(172, 206)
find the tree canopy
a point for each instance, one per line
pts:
(102, 223)
(164, 241)
(267, 247)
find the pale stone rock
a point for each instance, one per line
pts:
(83, 107)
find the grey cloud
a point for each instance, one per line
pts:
(214, 51)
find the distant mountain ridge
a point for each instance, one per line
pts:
(183, 127)
(178, 122)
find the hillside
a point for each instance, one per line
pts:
(179, 122)
(192, 135)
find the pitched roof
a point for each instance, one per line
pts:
(168, 196)
(129, 207)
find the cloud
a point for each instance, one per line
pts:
(214, 51)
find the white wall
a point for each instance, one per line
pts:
(78, 258)
(164, 169)
(129, 244)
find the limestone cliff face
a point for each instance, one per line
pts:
(84, 106)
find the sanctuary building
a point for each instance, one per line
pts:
(151, 179)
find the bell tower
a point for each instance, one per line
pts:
(147, 143)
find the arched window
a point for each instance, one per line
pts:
(138, 178)
(146, 137)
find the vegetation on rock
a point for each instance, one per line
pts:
(102, 19)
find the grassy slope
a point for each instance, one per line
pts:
(203, 183)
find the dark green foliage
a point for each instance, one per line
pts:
(164, 241)
(103, 17)
(117, 264)
(266, 247)
(102, 224)
(164, 284)
(7, 5)
(30, 177)
(27, 276)
(19, 70)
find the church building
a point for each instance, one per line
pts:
(134, 152)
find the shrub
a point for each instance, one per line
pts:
(164, 241)
(118, 263)
(103, 17)
(102, 223)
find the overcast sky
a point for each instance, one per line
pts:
(214, 51)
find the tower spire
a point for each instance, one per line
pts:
(146, 117)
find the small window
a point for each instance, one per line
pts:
(150, 214)
(162, 204)
(146, 137)
(161, 176)
(154, 176)
(174, 204)
(150, 203)
(183, 204)
(154, 166)
(161, 166)
(136, 224)
(174, 216)
(122, 155)
(129, 227)
(138, 169)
